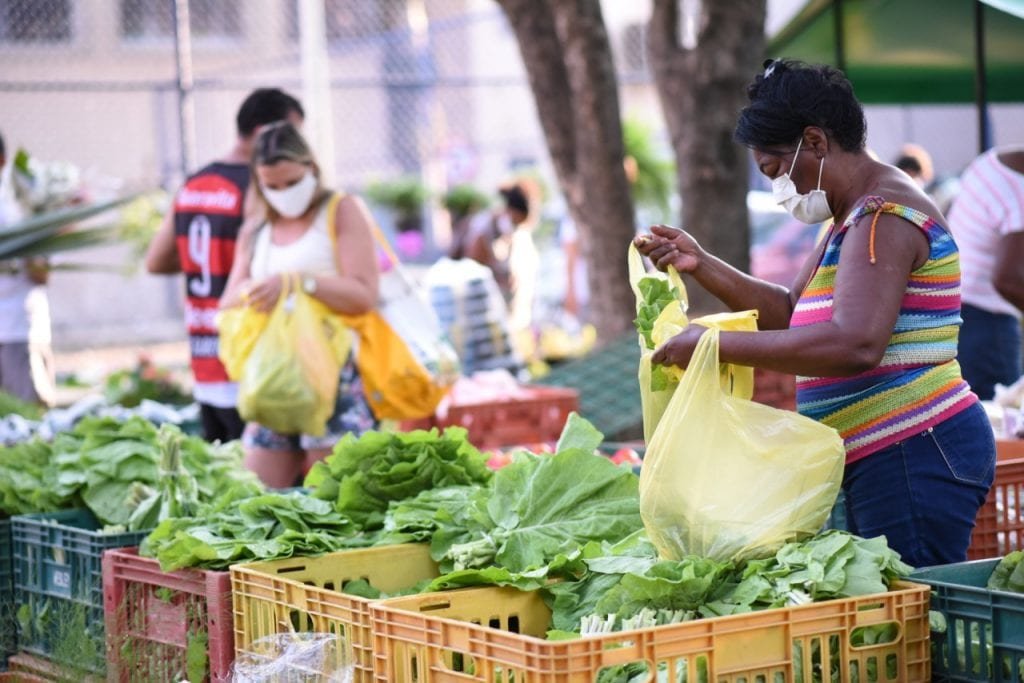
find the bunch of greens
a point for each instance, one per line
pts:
(175, 493)
(1008, 574)
(245, 529)
(626, 586)
(107, 463)
(12, 405)
(363, 475)
(657, 294)
(28, 482)
(146, 381)
(540, 506)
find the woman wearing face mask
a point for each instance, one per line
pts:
(870, 324)
(341, 272)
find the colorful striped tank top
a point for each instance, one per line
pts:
(918, 383)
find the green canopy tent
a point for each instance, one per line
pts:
(915, 51)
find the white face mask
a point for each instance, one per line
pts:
(807, 208)
(293, 201)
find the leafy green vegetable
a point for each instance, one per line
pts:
(626, 585)
(270, 526)
(113, 467)
(538, 507)
(176, 493)
(27, 481)
(1009, 573)
(363, 475)
(657, 295)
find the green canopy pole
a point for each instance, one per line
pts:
(837, 20)
(980, 91)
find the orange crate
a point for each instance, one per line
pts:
(154, 618)
(999, 526)
(301, 594)
(497, 634)
(537, 415)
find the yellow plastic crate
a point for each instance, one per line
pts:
(301, 594)
(496, 635)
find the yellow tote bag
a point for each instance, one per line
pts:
(405, 363)
(730, 479)
(396, 385)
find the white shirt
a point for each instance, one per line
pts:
(989, 206)
(24, 309)
(311, 253)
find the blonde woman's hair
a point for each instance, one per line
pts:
(281, 141)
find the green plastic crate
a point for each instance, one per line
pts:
(8, 626)
(608, 386)
(58, 584)
(980, 634)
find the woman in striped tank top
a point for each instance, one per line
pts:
(870, 325)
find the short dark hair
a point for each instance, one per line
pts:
(791, 95)
(263, 106)
(909, 165)
(515, 198)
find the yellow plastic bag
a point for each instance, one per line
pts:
(239, 328)
(726, 478)
(289, 382)
(738, 380)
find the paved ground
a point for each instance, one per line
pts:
(91, 366)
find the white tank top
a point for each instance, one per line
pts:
(312, 253)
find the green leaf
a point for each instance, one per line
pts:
(579, 433)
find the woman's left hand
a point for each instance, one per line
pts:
(263, 295)
(679, 349)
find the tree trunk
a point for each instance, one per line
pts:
(567, 54)
(702, 90)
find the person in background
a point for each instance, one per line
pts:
(916, 162)
(870, 324)
(26, 360)
(489, 236)
(987, 220)
(340, 271)
(198, 238)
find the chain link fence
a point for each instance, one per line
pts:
(134, 96)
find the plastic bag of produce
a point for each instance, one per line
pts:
(295, 658)
(289, 382)
(661, 306)
(726, 478)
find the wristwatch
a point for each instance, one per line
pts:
(309, 284)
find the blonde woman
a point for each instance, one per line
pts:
(341, 273)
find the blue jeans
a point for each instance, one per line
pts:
(989, 350)
(924, 492)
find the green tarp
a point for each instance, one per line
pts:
(912, 51)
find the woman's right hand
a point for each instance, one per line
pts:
(667, 246)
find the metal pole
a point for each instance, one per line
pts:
(316, 85)
(186, 103)
(837, 20)
(980, 85)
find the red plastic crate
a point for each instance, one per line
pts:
(999, 526)
(537, 415)
(153, 618)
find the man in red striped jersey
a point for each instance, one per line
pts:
(198, 239)
(987, 222)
